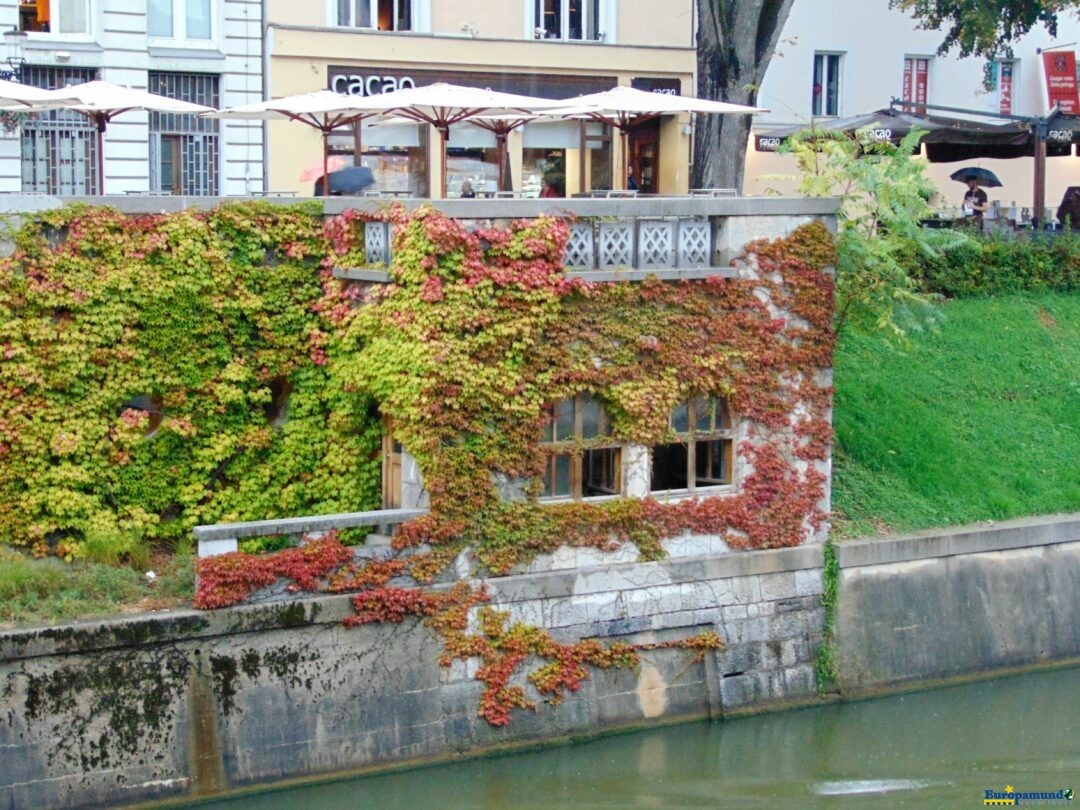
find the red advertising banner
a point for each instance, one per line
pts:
(916, 81)
(1005, 87)
(922, 79)
(1061, 85)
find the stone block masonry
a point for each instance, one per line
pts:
(191, 704)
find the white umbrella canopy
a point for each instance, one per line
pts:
(102, 101)
(628, 103)
(626, 107)
(14, 95)
(443, 105)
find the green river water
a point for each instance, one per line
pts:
(938, 749)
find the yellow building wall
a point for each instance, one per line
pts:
(648, 22)
(638, 22)
(499, 20)
(301, 58)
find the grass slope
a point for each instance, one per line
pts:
(979, 421)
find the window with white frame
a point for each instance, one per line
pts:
(71, 17)
(180, 19)
(826, 91)
(381, 15)
(701, 454)
(568, 19)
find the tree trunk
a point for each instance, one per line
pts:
(736, 40)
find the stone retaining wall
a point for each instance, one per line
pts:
(194, 703)
(966, 601)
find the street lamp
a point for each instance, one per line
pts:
(14, 40)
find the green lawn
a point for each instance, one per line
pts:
(978, 421)
(47, 591)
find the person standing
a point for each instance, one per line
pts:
(975, 202)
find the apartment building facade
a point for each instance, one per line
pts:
(204, 51)
(551, 48)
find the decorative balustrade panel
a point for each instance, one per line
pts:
(616, 245)
(695, 243)
(377, 242)
(656, 244)
(581, 247)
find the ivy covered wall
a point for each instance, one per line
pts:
(164, 371)
(158, 372)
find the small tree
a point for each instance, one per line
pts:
(987, 27)
(884, 193)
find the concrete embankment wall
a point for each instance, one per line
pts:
(188, 704)
(947, 604)
(195, 703)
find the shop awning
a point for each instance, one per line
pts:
(946, 139)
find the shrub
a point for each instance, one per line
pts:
(1000, 266)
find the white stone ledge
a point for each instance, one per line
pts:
(974, 539)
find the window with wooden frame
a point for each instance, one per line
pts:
(580, 463)
(702, 455)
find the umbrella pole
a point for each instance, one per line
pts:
(1039, 203)
(500, 140)
(624, 136)
(445, 132)
(326, 163)
(100, 121)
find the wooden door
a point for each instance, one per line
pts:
(391, 468)
(645, 156)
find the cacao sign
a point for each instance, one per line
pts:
(357, 80)
(357, 84)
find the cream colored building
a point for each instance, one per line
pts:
(550, 48)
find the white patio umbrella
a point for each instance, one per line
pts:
(324, 110)
(14, 95)
(103, 101)
(443, 105)
(626, 107)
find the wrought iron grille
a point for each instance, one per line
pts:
(185, 149)
(59, 148)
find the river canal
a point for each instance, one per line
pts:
(942, 748)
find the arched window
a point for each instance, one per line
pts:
(573, 472)
(702, 454)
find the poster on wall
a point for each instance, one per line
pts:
(1005, 87)
(1061, 84)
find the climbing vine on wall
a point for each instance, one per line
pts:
(481, 332)
(157, 372)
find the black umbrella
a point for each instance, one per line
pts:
(350, 180)
(984, 177)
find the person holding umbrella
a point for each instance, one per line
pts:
(976, 203)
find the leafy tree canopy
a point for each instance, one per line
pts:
(985, 27)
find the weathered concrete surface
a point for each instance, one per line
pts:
(192, 703)
(967, 601)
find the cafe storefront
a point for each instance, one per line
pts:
(568, 156)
